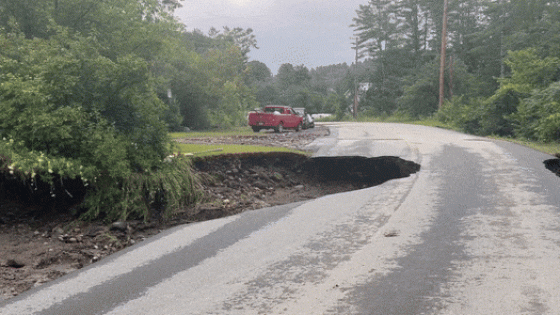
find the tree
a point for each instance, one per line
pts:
(410, 26)
(292, 84)
(258, 72)
(28, 16)
(242, 38)
(285, 77)
(421, 89)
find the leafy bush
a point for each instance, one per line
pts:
(233, 106)
(525, 105)
(155, 193)
(66, 111)
(538, 116)
(462, 113)
(502, 113)
(496, 111)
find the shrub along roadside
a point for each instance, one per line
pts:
(66, 184)
(72, 117)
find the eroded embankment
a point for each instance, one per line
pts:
(226, 176)
(37, 243)
(359, 169)
(237, 182)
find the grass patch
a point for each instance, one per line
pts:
(217, 149)
(238, 131)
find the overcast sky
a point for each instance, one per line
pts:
(309, 32)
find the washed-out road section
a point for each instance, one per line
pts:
(475, 231)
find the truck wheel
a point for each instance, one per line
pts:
(280, 128)
(298, 128)
(256, 129)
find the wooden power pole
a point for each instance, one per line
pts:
(443, 51)
(355, 107)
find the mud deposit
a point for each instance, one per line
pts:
(39, 244)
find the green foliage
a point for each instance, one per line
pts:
(524, 105)
(244, 39)
(462, 113)
(265, 93)
(530, 71)
(210, 88)
(421, 90)
(233, 106)
(68, 103)
(289, 76)
(81, 101)
(491, 116)
(381, 99)
(156, 193)
(231, 97)
(497, 109)
(538, 116)
(341, 106)
(509, 61)
(258, 72)
(27, 16)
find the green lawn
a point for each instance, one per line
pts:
(217, 149)
(239, 131)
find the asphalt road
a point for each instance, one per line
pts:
(475, 231)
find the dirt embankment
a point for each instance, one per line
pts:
(37, 247)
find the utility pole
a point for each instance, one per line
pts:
(443, 51)
(355, 108)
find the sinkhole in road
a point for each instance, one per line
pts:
(553, 165)
(294, 177)
(237, 182)
(361, 170)
(246, 182)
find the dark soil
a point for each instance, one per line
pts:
(37, 247)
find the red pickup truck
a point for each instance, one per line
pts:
(275, 117)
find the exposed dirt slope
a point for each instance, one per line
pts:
(37, 247)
